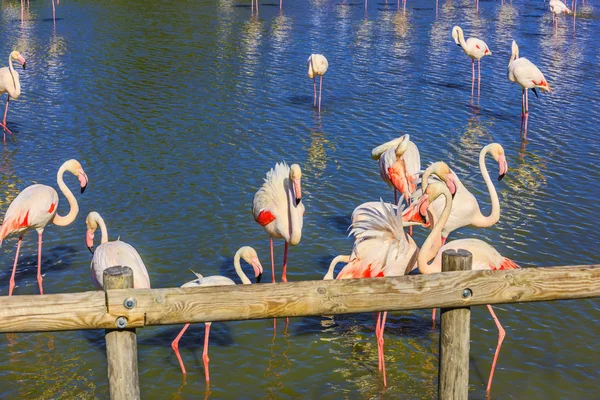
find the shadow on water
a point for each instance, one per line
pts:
(340, 223)
(301, 99)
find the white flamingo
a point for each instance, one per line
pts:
(557, 8)
(474, 48)
(35, 207)
(110, 254)
(317, 66)
(9, 83)
(249, 255)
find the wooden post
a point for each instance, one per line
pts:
(453, 379)
(121, 345)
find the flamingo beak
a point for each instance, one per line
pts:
(451, 184)
(22, 61)
(297, 191)
(502, 166)
(258, 269)
(535, 91)
(89, 240)
(83, 180)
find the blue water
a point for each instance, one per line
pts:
(177, 110)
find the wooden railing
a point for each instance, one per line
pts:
(120, 309)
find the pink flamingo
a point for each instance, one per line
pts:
(557, 8)
(526, 74)
(381, 248)
(485, 257)
(474, 48)
(250, 256)
(109, 254)
(317, 66)
(9, 83)
(399, 165)
(35, 207)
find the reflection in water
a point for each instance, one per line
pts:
(508, 16)
(278, 365)
(9, 181)
(401, 25)
(317, 156)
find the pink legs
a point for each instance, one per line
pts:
(320, 90)
(12, 276)
(175, 347)
(379, 328)
(39, 271)
(433, 311)
(53, 13)
(473, 77)
(284, 275)
(205, 359)
(315, 91)
(478, 78)
(3, 124)
(501, 335)
(273, 278)
(252, 5)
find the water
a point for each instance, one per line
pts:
(178, 109)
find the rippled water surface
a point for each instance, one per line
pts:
(177, 109)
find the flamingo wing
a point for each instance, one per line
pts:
(115, 253)
(485, 256)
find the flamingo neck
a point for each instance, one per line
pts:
(334, 262)
(432, 243)
(238, 268)
(514, 55)
(461, 40)
(294, 215)
(104, 232)
(74, 207)
(12, 75)
(480, 220)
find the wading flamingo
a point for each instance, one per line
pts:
(10, 84)
(110, 254)
(485, 257)
(557, 8)
(317, 66)
(249, 255)
(381, 248)
(474, 48)
(526, 74)
(35, 207)
(399, 165)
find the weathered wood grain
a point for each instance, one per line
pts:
(455, 333)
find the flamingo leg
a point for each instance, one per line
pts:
(205, 358)
(12, 276)
(273, 275)
(280, 4)
(381, 352)
(404, 5)
(478, 78)
(3, 124)
(320, 91)
(523, 103)
(473, 77)
(377, 328)
(22, 10)
(284, 274)
(315, 91)
(53, 13)
(501, 335)
(433, 315)
(175, 347)
(39, 271)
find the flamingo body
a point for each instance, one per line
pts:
(118, 253)
(317, 66)
(10, 83)
(399, 164)
(557, 7)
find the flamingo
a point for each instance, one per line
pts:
(485, 257)
(250, 256)
(109, 254)
(252, 5)
(526, 74)
(54, 11)
(399, 165)
(381, 248)
(465, 208)
(474, 48)
(557, 8)
(317, 66)
(9, 83)
(35, 207)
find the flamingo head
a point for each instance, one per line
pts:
(251, 257)
(432, 192)
(295, 176)
(456, 31)
(442, 171)
(15, 55)
(403, 145)
(74, 167)
(412, 216)
(92, 224)
(497, 152)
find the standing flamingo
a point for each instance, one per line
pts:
(474, 48)
(399, 165)
(110, 254)
(317, 66)
(485, 257)
(9, 83)
(526, 74)
(557, 8)
(250, 256)
(35, 207)
(381, 248)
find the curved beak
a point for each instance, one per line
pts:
(258, 269)
(83, 181)
(89, 240)
(22, 61)
(502, 166)
(258, 277)
(451, 184)
(297, 191)
(91, 249)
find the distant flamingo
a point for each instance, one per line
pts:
(381, 248)
(317, 66)
(252, 5)
(399, 165)
(474, 48)
(250, 256)
(110, 254)
(54, 11)
(9, 83)
(35, 207)
(485, 257)
(557, 8)
(526, 74)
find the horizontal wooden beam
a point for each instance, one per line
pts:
(305, 298)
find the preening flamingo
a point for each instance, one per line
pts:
(557, 8)
(485, 257)
(474, 48)
(110, 254)
(526, 74)
(35, 207)
(317, 66)
(9, 83)
(399, 165)
(381, 248)
(249, 255)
